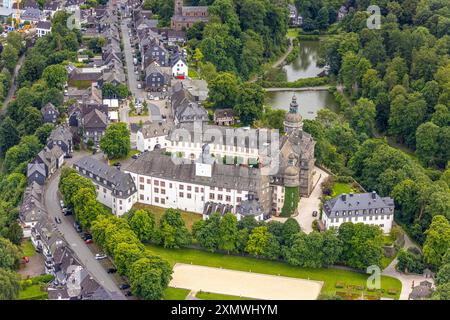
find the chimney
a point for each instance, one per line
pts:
(344, 197)
(374, 194)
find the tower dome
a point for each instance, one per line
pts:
(293, 120)
(291, 177)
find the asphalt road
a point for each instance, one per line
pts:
(84, 254)
(132, 77)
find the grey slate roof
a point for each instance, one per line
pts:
(61, 133)
(46, 25)
(157, 129)
(249, 207)
(215, 207)
(36, 167)
(364, 203)
(156, 164)
(95, 119)
(32, 208)
(115, 179)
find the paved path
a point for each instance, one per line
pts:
(407, 280)
(13, 87)
(277, 63)
(84, 254)
(243, 284)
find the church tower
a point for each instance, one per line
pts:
(178, 7)
(293, 120)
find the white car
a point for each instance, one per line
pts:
(100, 256)
(61, 203)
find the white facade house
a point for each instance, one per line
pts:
(153, 136)
(115, 189)
(180, 68)
(43, 28)
(367, 208)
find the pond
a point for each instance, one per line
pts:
(305, 66)
(309, 102)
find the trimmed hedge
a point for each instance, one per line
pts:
(291, 199)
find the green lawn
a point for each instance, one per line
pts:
(175, 294)
(292, 33)
(188, 217)
(33, 292)
(340, 188)
(328, 276)
(217, 296)
(27, 248)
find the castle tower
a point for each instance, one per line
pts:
(293, 120)
(178, 7)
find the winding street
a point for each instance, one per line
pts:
(84, 254)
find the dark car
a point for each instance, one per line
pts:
(128, 294)
(124, 286)
(135, 156)
(112, 270)
(117, 164)
(77, 227)
(57, 220)
(314, 214)
(87, 236)
(68, 156)
(67, 212)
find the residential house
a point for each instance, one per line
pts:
(367, 208)
(179, 67)
(32, 208)
(94, 126)
(156, 77)
(50, 113)
(50, 8)
(185, 108)
(36, 173)
(43, 28)
(62, 137)
(224, 117)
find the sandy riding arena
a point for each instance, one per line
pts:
(244, 284)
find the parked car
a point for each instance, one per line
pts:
(61, 203)
(314, 214)
(117, 164)
(26, 259)
(112, 270)
(128, 294)
(87, 236)
(67, 212)
(100, 256)
(88, 241)
(124, 286)
(57, 220)
(77, 227)
(135, 156)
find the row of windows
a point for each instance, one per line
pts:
(364, 211)
(216, 147)
(350, 219)
(181, 186)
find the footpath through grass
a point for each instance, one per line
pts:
(330, 276)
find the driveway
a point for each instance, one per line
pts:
(306, 206)
(407, 280)
(84, 254)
